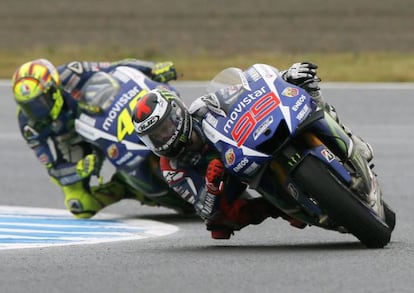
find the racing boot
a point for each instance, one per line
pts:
(85, 204)
(240, 214)
(363, 147)
(257, 210)
(263, 209)
(220, 232)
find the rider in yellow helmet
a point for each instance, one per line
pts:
(36, 90)
(48, 101)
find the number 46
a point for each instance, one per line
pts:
(124, 121)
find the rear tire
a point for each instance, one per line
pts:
(341, 205)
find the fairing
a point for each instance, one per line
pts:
(112, 129)
(262, 111)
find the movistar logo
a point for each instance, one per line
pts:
(118, 106)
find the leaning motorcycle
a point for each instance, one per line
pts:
(107, 101)
(274, 137)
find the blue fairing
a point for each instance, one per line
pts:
(112, 131)
(325, 155)
(264, 108)
(275, 138)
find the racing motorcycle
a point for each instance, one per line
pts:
(277, 139)
(107, 101)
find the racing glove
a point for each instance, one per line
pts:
(164, 72)
(208, 203)
(214, 177)
(304, 75)
(87, 166)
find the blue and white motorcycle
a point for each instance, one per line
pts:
(108, 100)
(274, 137)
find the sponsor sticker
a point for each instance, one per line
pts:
(290, 92)
(328, 155)
(112, 151)
(230, 157)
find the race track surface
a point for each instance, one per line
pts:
(271, 257)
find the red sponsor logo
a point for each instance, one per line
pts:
(260, 109)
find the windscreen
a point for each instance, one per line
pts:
(227, 86)
(100, 90)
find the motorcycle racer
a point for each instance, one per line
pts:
(49, 100)
(192, 166)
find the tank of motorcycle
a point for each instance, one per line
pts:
(262, 112)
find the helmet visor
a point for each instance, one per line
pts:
(39, 108)
(166, 131)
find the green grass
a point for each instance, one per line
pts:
(344, 67)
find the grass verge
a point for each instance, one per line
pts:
(343, 67)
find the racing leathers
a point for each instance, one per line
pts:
(199, 176)
(225, 206)
(71, 161)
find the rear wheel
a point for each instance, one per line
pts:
(341, 205)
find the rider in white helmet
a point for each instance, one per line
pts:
(193, 167)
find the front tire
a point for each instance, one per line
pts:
(389, 216)
(341, 204)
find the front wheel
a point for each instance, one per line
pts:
(389, 216)
(340, 204)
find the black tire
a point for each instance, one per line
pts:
(340, 204)
(389, 216)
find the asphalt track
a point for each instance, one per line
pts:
(271, 257)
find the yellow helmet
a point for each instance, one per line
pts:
(36, 89)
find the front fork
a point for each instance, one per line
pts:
(321, 137)
(330, 133)
(327, 140)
